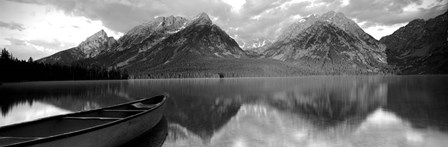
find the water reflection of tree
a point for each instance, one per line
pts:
(74, 96)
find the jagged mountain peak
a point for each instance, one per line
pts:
(101, 32)
(91, 47)
(202, 19)
(206, 40)
(343, 22)
(152, 32)
(331, 41)
(98, 35)
(174, 43)
(337, 18)
(96, 43)
(203, 15)
(167, 21)
(170, 22)
(333, 14)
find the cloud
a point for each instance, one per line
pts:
(249, 19)
(122, 15)
(23, 50)
(236, 4)
(384, 12)
(17, 42)
(54, 44)
(379, 31)
(12, 26)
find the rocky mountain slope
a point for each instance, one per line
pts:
(150, 33)
(89, 48)
(176, 47)
(420, 47)
(318, 44)
(168, 41)
(330, 44)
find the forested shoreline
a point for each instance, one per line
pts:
(15, 70)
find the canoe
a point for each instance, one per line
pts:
(105, 127)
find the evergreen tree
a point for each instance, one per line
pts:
(5, 55)
(14, 70)
(30, 60)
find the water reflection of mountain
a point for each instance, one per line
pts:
(209, 111)
(323, 103)
(422, 100)
(327, 102)
(73, 96)
(193, 104)
(262, 125)
(202, 117)
(335, 103)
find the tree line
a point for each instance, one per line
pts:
(15, 70)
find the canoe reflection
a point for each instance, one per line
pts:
(155, 137)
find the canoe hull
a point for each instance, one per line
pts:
(115, 135)
(106, 127)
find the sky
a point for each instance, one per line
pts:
(39, 28)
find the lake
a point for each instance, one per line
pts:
(306, 111)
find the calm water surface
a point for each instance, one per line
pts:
(308, 111)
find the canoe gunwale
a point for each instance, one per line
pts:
(85, 130)
(97, 118)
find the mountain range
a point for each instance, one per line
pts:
(91, 47)
(330, 43)
(420, 47)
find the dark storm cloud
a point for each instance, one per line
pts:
(12, 26)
